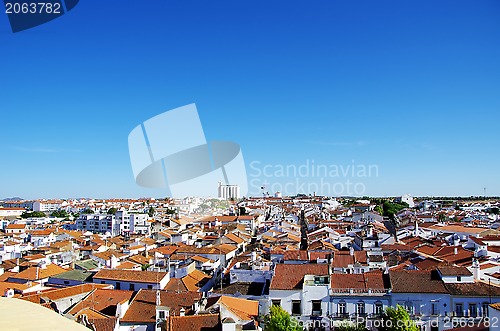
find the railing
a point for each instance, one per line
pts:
(317, 312)
(355, 315)
(356, 291)
(313, 283)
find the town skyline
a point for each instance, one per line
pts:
(413, 93)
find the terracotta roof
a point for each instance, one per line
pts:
(454, 271)
(176, 285)
(165, 250)
(194, 280)
(36, 273)
(205, 322)
(56, 294)
(369, 280)
(291, 276)
(131, 275)
(142, 308)
(103, 301)
(245, 309)
(15, 226)
(234, 238)
(295, 254)
(342, 259)
(416, 281)
(479, 289)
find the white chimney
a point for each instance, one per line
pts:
(455, 250)
(351, 251)
(182, 312)
(476, 269)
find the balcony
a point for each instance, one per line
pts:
(358, 291)
(317, 312)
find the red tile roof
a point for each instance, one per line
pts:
(415, 281)
(205, 322)
(142, 308)
(291, 276)
(103, 301)
(131, 275)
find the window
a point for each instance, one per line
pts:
(103, 282)
(342, 308)
(434, 308)
(360, 308)
(161, 314)
(66, 282)
(472, 310)
(379, 308)
(484, 307)
(117, 287)
(459, 278)
(296, 309)
(150, 287)
(459, 309)
(276, 302)
(316, 308)
(132, 287)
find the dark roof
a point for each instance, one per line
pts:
(243, 288)
(103, 301)
(416, 281)
(479, 289)
(291, 276)
(142, 308)
(454, 271)
(76, 274)
(207, 322)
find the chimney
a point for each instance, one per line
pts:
(182, 312)
(455, 250)
(476, 269)
(351, 251)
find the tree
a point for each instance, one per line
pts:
(112, 211)
(60, 214)
(379, 209)
(27, 214)
(88, 211)
(151, 212)
(397, 319)
(280, 320)
(392, 208)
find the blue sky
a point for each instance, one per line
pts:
(409, 86)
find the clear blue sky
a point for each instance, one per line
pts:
(412, 87)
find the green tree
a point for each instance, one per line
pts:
(151, 212)
(27, 214)
(280, 320)
(397, 319)
(88, 211)
(112, 211)
(379, 209)
(60, 214)
(392, 208)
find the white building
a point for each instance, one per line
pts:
(408, 199)
(98, 223)
(302, 290)
(228, 191)
(48, 205)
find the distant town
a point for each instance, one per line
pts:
(234, 263)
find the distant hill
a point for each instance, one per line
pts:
(12, 199)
